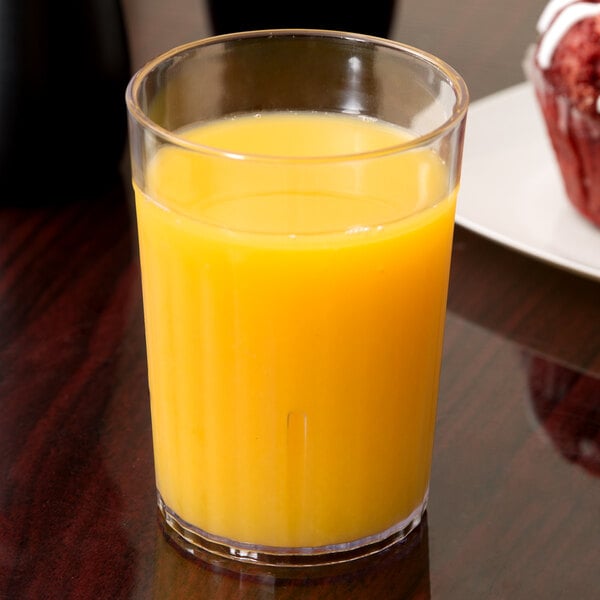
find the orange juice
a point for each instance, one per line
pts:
(294, 319)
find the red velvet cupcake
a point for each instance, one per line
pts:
(564, 68)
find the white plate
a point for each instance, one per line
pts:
(511, 190)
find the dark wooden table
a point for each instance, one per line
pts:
(515, 494)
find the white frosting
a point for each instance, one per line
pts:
(552, 9)
(570, 15)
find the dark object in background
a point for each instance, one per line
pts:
(341, 15)
(64, 67)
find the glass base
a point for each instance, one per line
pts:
(197, 542)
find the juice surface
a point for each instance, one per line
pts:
(294, 322)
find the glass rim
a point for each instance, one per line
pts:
(451, 75)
